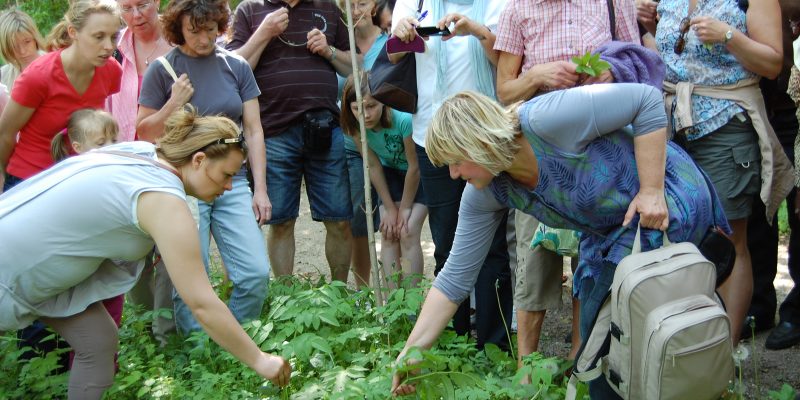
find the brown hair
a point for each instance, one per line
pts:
(186, 133)
(200, 12)
(348, 120)
(12, 23)
(77, 15)
(81, 124)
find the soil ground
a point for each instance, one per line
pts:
(763, 371)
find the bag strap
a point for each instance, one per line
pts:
(168, 67)
(612, 19)
(141, 158)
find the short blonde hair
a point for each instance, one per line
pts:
(12, 23)
(471, 126)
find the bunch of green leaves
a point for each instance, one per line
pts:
(590, 64)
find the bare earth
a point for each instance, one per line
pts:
(764, 370)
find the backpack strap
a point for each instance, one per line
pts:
(589, 360)
(612, 19)
(168, 67)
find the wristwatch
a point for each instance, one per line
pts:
(728, 36)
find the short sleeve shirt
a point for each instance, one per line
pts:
(222, 82)
(44, 86)
(546, 31)
(388, 143)
(291, 78)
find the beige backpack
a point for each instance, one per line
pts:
(661, 333)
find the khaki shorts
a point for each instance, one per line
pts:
(537, 275)
(730, 157)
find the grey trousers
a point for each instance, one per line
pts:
(92, 334)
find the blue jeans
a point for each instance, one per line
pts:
(443, 197)
(355, 172)
(325, 174)
(231, 220)
(591, 295)
(10, 182)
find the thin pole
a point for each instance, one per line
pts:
(373, 258)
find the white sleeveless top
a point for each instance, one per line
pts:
(60, 229)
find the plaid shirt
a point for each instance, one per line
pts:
(544, 31)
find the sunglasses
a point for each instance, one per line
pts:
(681, 43)
(239, 140)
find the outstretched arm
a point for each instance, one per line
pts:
(167, 219)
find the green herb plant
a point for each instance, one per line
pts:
(590, 64)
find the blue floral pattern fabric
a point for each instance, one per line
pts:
(701, 64)
(591, 191)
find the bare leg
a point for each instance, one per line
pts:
(280, 245)
(360, 262)
(738, 288)
(576, 328)
(529, 328)
(93, 336)
(390, 257)
(337, 248)
(410, 245)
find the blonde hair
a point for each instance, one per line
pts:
(82, 126)
(77, 15)
(186, 133)
(12, 23)
(471, 126)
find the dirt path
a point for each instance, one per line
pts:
(764, 370)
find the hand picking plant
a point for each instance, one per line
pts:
(590, 64)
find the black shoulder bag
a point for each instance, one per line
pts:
(395, 85)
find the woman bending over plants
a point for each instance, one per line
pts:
(581, 170)
(127, 197)
(394, 172)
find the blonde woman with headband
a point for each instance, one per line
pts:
(132, 196)
(569, 159)
(20, 44)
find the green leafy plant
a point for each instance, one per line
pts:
(590, 64)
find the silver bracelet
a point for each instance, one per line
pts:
(333, 53)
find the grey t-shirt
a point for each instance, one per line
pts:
(568, 120)
(222, 82)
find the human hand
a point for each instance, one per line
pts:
(462, 25)
(275, 22)
(402, 220)
(274, 368)
(262, 207)
(604, 77)
(651, 205)
(709, 30)
(318, 44)
(389, 223)
(182, 90)
(647, 14)
(555, 75)
(406, 29)
(400, 386)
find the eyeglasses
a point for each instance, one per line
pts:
(239, 140)
(681, 43)
(141, 8)
(318, 22)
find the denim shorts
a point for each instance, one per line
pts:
(355, 170)
(396, 180)
(731, 158)
(325, 175)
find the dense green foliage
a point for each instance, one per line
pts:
(340, 346)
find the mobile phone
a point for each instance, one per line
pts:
(432, 31)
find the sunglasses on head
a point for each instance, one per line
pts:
(681, 43)
(239, 140)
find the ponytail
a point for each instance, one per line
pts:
(186, 133)
(76, 16)
(59, 148)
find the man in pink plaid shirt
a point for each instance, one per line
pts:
(536, 40)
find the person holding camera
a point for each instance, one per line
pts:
(216, 82)
(295, 49)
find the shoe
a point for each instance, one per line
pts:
(750, 324)
(786, 334)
